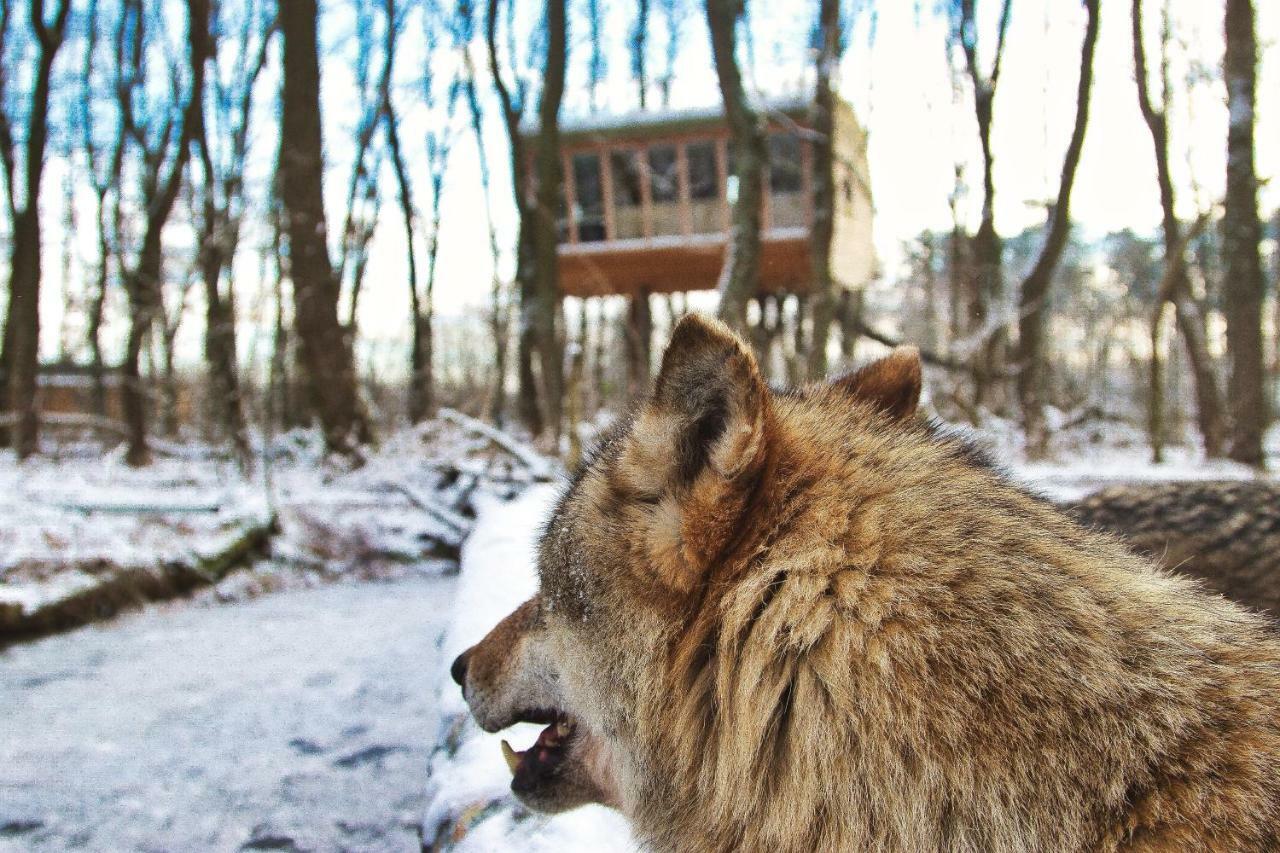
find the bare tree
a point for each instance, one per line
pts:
(105, 166)
(364, 193)
(1242, 236)
(1190, 319)
(164, 158)
(673, 14)
(20, 357)
(740, 275)
(222, 156)
(511, 98)
(1033, 297)
(640, 52)
(986, 276)
(597, 59)
(830, 45)
(439, 142)
(499, 316)
(544, 311)
(325, 352)
(639, 329)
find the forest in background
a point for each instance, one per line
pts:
(167, 221)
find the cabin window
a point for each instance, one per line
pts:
(704, 180)
(786, 182)
(704, 188)
(589, 204)
(664, 189)
(664, 182)
(784, 164)
(628, 222)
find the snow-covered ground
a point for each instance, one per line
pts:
(298, 721)
(70, 524)
(470, 806)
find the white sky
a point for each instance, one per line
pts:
(900, 84)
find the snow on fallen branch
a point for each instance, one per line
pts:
(539, 468)
(457, 524)
(117, 429)
(73, 419)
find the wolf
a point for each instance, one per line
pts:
(1226, 533)
(806, 620)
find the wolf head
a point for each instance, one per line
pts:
(669, 494)
(806, 620)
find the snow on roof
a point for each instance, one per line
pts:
(645, 122)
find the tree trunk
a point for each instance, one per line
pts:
(740, 275)
(1155, 402)
(639, 344)
(1209, 405)
(987, 332)
(824, 195)
(143, 281)
(20, 356)
(227, 407)
(544, 310)
(528, 409)
(1033, 298)
(640, 52)
(575, 391)
(499, 312)
(1242, 234)
(325, 353)
(97, 311)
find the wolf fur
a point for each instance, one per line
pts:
(1227, 533)
(806, 621)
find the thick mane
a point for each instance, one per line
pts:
(920, 637)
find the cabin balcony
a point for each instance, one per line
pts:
(655, 217)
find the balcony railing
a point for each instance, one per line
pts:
(659, 191)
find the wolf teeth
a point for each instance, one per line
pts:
(563, 728)
(511, 757)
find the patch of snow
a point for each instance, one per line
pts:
(298, 721)
(470, 804)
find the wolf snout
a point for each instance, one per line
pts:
(459, 669)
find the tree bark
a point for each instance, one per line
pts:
(1033, 297)
(325, 353)
(740, 275)
(143, 281)
(824, 195)
(987, 279)
(20, 356)
(499, 313)
(544, 310)
(1242, 235)
(639, 344)
(1190, 320)
(220, 236)
(512, 103)
(640, 52)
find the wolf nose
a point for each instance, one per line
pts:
(459, 669)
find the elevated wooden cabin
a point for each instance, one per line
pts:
(646, 202)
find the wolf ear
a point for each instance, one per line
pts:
(710, 392)
(891, 384)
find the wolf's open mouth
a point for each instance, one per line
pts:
(541, 762)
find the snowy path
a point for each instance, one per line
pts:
(299, 721)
